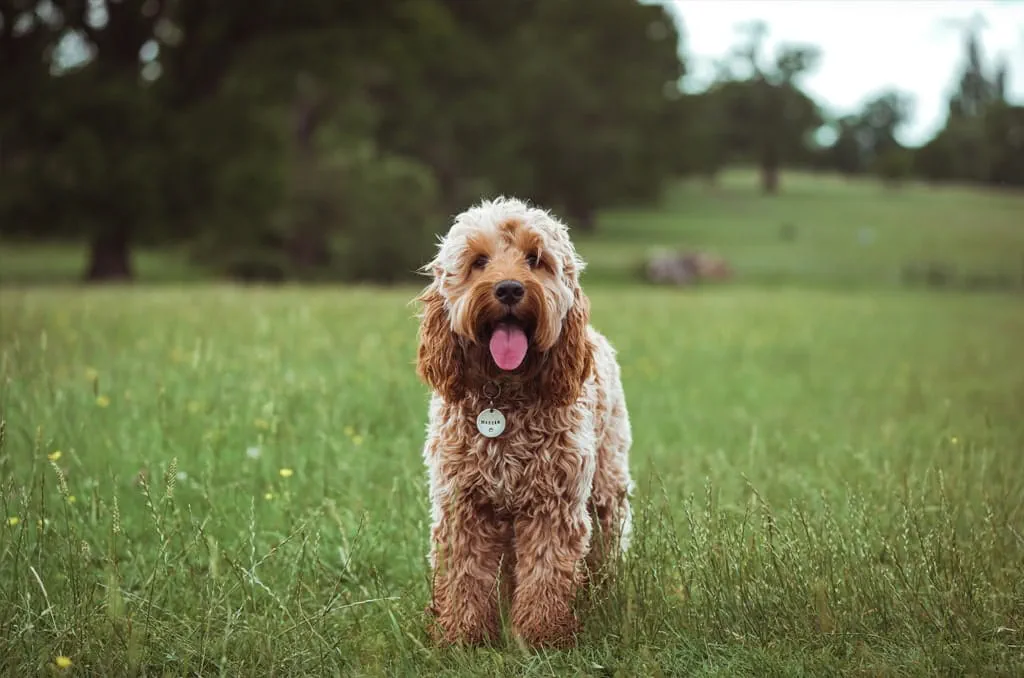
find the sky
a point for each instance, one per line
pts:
(913, 45)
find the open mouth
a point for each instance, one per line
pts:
(509, 343)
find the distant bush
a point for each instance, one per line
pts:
(894, 166)
(959, 152)
(388, 212)
(354, 216)
(936, 161)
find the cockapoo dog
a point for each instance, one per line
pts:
(528, 435)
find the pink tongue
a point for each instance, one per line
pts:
(508, 346)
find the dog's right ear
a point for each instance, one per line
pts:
(439, 359)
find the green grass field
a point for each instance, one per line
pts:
(213, 480)
(846, 235)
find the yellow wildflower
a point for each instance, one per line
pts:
(103, 401)
(54, 456)
(286, 473)
(954, 440)
(268, 496)
(13, 520)
(62, 662)
(72, 499)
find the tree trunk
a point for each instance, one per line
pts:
(770, 171)
(308, 245)
(110, 256)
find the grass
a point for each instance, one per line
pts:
(846, 234)
(34, 263)
(212, 480)
(828, 483)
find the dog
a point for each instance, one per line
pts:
(528, 435)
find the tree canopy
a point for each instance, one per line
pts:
(261, 128)
(757, 111)
(983, 138)
(335, 138)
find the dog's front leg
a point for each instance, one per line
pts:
(551, 538)
(468, 544)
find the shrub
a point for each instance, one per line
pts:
(389, 213)
(894, 166)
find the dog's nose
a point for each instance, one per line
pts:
(509, 292)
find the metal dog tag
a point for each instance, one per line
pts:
(490, 423)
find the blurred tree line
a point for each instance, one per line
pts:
(755, 112)
(332, 138)
(983, 139)
(981, 142)
(322, 137)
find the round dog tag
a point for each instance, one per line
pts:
(490, 423)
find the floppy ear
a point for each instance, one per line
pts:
(439, 358)
(571, 358)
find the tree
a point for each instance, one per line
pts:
(975, 90)
(767, 115)
(557, 100)
(881, 119)
(252, 131)
(133, 138)
(848, 153)
(320, 87)
(93, 136)
(86, 135)
(982, 138)
(600, 78)
(868, 140)
(1004, 136)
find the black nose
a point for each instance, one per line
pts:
(509, 292)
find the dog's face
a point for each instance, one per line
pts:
(505, 303)
(503, 276)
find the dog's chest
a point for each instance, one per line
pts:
(529, 460)
(502, 467)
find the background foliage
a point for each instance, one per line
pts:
(271, 137)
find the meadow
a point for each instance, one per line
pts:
(207, 479)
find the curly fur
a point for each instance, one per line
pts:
(525, 516)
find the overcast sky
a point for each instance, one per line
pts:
(911, 45)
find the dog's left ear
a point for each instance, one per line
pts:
(571, 358)
(439, 356)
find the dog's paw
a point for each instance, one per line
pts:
(554, 631)
(448, 633)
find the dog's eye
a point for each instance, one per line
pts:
(480, 261)
(532, 260)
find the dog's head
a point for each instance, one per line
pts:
(505, 304)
